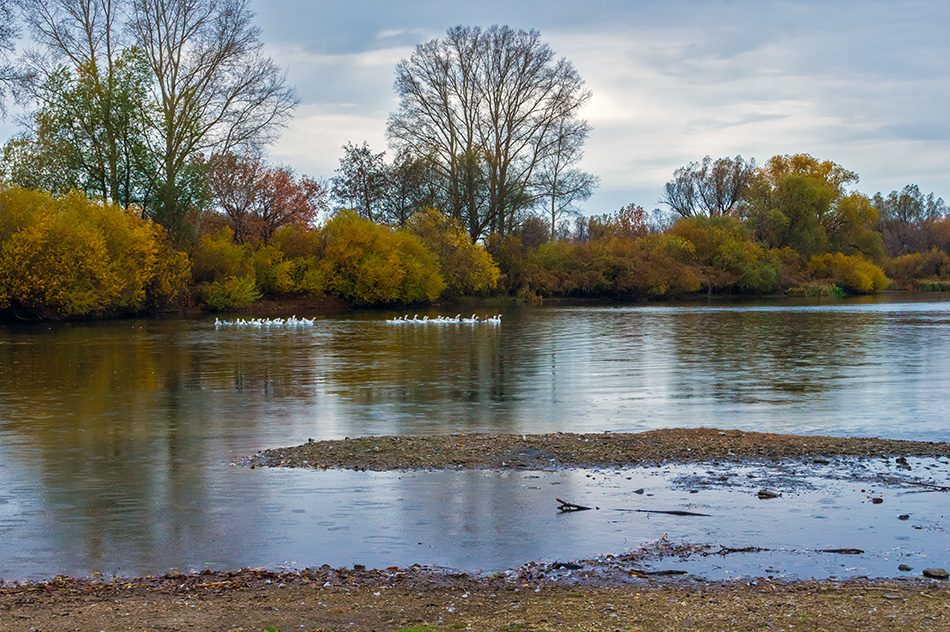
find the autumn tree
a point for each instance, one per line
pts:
(258, 199)
(712, 187)
(484, 107)
(212, 88)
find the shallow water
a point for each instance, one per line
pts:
(115, 438)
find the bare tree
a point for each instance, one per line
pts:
(711, 187)
(213, 89)
(11, 77)
(559, 184)
(483, 107)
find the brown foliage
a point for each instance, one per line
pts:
(258, 199)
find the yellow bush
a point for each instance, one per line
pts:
(466, 267)
(369, 264)
(852, 273)
(69, 256)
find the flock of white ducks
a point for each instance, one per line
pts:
(293, 321)
(445, 320)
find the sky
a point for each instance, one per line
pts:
(863, 83)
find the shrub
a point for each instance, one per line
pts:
(70, 256)
(229, 292)
(466, 268)
(852, 273)
(368, 264)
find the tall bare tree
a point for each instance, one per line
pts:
(560, 184)
(483, 106)
(213, 89)
(10, 75)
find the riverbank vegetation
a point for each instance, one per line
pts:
(119, 197)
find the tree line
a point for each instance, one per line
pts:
(145, 144)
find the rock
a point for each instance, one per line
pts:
(877, 501)
(936, 573)
(903, 517)
(765, 494)
(904, 568)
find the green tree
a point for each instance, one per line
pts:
(88, 133)
(794, 202)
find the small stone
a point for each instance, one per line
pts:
(765, 494)
(903, 517)
(936, 573)
(877, 501)
(904, 568)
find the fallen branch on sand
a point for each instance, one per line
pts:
(566, 506)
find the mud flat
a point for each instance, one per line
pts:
(549, 451)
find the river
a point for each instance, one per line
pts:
(116, 438)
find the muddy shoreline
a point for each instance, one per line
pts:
(559, 450)
(428, 600)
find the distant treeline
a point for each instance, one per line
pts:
(792, 228)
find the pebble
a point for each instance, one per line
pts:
(905, 568)
(936, 573)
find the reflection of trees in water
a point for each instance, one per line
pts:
(115, 420)
(768, 357)
(416, 376)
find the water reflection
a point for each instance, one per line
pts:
(115, 437)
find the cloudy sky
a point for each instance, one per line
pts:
(864, 83)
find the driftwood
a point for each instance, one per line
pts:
(929, 486)
(566, 506)
(842, 551)
(671, 512)
(725, 550)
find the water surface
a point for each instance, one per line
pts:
(115, 438)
